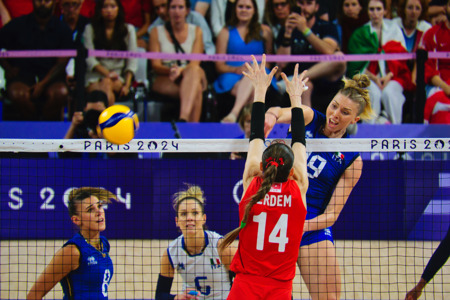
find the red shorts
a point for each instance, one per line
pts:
(253, 287)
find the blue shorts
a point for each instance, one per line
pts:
(312, 237)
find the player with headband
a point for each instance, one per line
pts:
(273, 207)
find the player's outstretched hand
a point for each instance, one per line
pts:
(297, 85)
(413, 294)
(259, 77)
(189, 294)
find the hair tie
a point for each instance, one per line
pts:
(272, 162)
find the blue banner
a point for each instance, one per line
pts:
(394, 199)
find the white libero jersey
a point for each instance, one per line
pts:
(203, 272)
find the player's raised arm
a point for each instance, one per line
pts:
(295, 89)
(261, 81)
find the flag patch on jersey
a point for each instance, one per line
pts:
(276, 187)
(215, 263)
(339, 157)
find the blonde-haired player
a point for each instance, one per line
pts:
(194, 254)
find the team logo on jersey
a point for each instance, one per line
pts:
(91, 261)
(276, 188)
(308, 134)
(215, 263)
(180, 266)
(339, 157)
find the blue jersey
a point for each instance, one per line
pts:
(91, 279)
(324, 169)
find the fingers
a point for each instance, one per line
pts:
(272, 73)
(250, 70)
(296, 71)
(263, 62)
(255, 62)
(302, 75)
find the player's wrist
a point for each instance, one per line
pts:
(306, 32)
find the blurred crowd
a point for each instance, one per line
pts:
(46, 88)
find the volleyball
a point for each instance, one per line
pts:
(118, 124)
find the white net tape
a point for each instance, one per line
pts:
(222, 145)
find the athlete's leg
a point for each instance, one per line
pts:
(191, 88)
(320, 270)
(243, 92)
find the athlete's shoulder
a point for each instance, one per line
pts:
(176, 242)
(77, 240)
(312, 129)
(213, 237)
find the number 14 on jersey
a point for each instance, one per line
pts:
(278, 234)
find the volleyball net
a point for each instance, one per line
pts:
(390, 226)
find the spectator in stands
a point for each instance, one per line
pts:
(304, 33)
(437, 72)
(389, 79)
(411, 19)
(412, 15)
(352, 14)
(179, 79)
(84, 123)
(276, 13)
(108, 31)
(137, 13)
(221, 11)
(87, 8)
(436, 11)
(70, 14)
(36, 86)
(10, 9)
(243, 35)
(193, 17)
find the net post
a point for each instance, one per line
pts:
(419, 104)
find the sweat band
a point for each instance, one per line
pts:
(163, 288)
(257, 122)
(307, 32)
(298, 126)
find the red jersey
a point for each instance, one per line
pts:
(88, 8)
(269, 243)
(17, 8)
(134, 11)
(437, 39)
